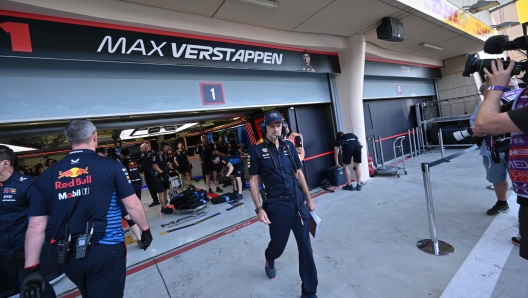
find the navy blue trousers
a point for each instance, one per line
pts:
(17, 276)
(284, 217)
(102, 273)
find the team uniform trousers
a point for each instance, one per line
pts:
(284, 217)
(150, 186)
(102, 273)
(137, 188)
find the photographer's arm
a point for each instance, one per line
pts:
(489, 119)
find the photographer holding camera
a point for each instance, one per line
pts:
(491, 121)
(496, 169)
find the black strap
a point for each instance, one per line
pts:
(279, 198)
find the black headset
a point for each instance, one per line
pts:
(264, 130)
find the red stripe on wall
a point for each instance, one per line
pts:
(318, 155)
(152, 31)
(392, 137)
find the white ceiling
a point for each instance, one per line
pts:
(336, 17)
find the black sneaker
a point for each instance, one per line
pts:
(211, 191)
(359, 187)
(154, 204)
(239, 197)
(219, 190)
(516, 241)
(311, 296)
(348, 187)
(498, 208)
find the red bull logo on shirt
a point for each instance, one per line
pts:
(10, 190)
(73, 182)
(73, 172)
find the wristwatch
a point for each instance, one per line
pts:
(258, 209)
(497, 88)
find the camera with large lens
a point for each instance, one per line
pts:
(497, 45)
(474, 64)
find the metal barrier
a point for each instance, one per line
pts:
(446, 110)
(392, 170)
(441, 141)
(434, 246)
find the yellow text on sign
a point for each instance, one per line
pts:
(522, 11)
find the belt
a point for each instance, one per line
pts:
(279, 198)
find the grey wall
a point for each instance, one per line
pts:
(33, 89)
(384, 87)
(389, 117)
(383, 69)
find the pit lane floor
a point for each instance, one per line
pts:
(366, 248)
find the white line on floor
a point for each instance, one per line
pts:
(481, 270)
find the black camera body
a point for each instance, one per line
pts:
(497, 45)
(474, 64)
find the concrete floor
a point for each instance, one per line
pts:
(367, 245)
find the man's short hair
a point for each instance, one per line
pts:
(79, 131)
(306, 53)
(215, 156)
(125, 151)
(111, 151)
(339, 134)
(7, 153)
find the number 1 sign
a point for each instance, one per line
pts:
(19, 34)
(212, 93)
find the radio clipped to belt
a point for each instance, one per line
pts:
(81, 245)
(63, 247)
(83, 241)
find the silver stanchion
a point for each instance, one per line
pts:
(432, 246)
(422, 140)
(410, 143)
(424, 136)
(381, 153)
(419, 139)
(416, 149)
(375, 152)
(441, 141)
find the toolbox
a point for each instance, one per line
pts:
(336, 176)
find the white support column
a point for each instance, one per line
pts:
(350, 92)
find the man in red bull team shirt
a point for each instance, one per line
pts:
(16, 197)
(80, 193)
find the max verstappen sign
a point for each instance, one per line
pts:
(77, 40)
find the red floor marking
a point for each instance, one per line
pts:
(187, 247)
